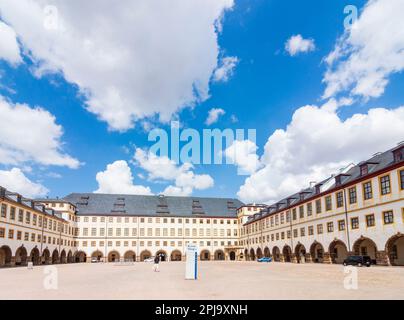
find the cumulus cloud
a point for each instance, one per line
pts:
(226, 69)
(118, 178)
(15, 181)
(243, 154)
(163, 168)
(130, 70)
(316, 144)
(9, 49)
(297, 44)
(31, 135)
(214, 115)
(368, 52)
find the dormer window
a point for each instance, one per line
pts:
(398, 154)
(318, 188)
(364, 169)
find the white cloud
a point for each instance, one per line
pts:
(31, 135)
(244, 155)
(213, 115)
(316, 144)
(9, 49)
(118, 178)
(369, 52)
(297, 44)
(15, 181)
(185, 180)
(129, 70)
(226, 69)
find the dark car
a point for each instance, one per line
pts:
(358, 261)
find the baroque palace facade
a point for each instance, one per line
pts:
(358, 211)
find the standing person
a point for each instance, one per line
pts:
(156, 263)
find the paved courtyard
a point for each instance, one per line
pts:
(217, 280)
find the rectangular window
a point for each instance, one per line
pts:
(402, 179)
(341, 225)
(294, 214)
(355, 223)
(3, 210)
(11, 234)
(12, 213)
(367, 190)
(309, 209)
(385, 187)
(328, 204)
(20, 215)
(302, 232)
(370, 220)
(295, 233)
(301, 212)
(330, 227)
(340, 199)
(388, 217)
(318, 206)
(2, 232)
(319, 229)
(352, 195)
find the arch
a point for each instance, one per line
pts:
(300, 252)
(145, 254)
(5, 256)
(219, 255)
(395, 249)
(338, 251)
(252, 254)
(113, 256)
(317, 252)
(130, 256)
(34, 256)
(259, 253)
(267, 253)
(98, 255)
(232, 256)
(246, 255)
(80, 257)
(55, 257)
(176, 255)
(162, 254)
(205, 255)
(63, 256)
(276, 253)
(46, 257)
(21, 256)
(70, 257)
(365, 247)
(287, 253)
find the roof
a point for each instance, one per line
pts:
(141, 205)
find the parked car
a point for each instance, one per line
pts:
(358, 261)
(264, 259)
(149, 260)
(94, 260)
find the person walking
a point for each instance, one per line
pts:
(156, 263)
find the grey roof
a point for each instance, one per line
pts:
(140, 205)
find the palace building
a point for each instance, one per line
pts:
(360, 210)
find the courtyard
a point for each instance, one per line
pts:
(217, 280)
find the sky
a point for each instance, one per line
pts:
(321, 82)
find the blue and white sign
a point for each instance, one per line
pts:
(191, 265)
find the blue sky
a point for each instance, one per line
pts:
(264, 90)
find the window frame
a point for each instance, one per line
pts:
(364, 184)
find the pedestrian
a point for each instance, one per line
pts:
(156, 263)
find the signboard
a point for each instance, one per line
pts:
(191, 265)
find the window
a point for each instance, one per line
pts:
(11, 234)
(2, 231)
(319, 229)
(352, 195)
(301, 212)
(355, 223)
(294, 213)
(318, 206)
(388, 217)
(340, 199)
(309, 209)
(385, 187)
(12, 213)
(402, 179)
(328, 204)
(302, 232)
(3, 210)
(330, 227)
(367, 190)
(20, 215)
(341, 225)
(370, 220)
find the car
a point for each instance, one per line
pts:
(94, 260)
(358, 261)
(264, 259)
(148, 260)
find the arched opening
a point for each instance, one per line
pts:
(267, 253)
(162, 254)
(129, 256)
(246, 255)
(80, 257)
(259, 253)
(365, 247)
(113, 256)
(219, 255)
(5, 256)
(70, 257)
(232, 256)
(176, 255)
(205, 255)
(63, 256)
(97, 255)
(395, 249)
(34, 257)
(317, 252)
(145, 254)
(46, 259)
(287, 253)
(300, 252)
(338, 251)
(252, 254)
(21, 256)
(276, 254)
(55, 257)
